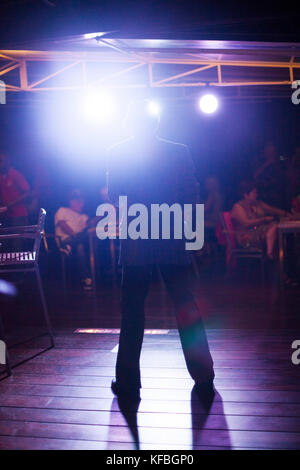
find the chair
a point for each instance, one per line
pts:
(27, 261)
(6, 290)
(233, 251)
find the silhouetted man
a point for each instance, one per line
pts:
(150, 170)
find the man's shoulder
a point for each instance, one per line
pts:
(61, 211)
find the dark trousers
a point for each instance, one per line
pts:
(135, 286)
(80, 249)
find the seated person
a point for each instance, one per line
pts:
(70, 231)
(255, 220)
(14, 190)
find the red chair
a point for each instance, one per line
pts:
(235, 252)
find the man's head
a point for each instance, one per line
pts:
(248, 191)
(76, 201)
(140, 119)
(4, 163)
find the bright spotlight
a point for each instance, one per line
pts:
(93, 35)
(98, 106)
(208, 104)
(154, 108)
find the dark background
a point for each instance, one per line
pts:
(24, 20)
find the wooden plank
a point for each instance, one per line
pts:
(165, 361)
(280, 384)
(249, 342)
(254, 359)
(152, 406)
(147, 371)
(35, 443)
(32, 443)
(259, 439)
(153, 420)
(94, 391)
(216, 346)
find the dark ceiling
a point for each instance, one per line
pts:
(26, 20)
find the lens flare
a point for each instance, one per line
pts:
(154, 108)
(99, 106)
(208, 104)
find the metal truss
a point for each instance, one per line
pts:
(157, 68)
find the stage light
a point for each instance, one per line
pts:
(99, 106)
(208, 103)
(154, 108)
(116, 331)
(93, 35)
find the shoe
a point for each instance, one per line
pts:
(205, 390)
(87, 283)
(125, 393)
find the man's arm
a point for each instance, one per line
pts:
(239, 214)
(62, 224)
(274, 210)
(16, 201)
(20, 199)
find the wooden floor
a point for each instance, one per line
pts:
(61, 399)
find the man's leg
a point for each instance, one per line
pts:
(78, 244)
(191, 329)
(135, 285)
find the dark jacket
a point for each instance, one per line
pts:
(161, 172)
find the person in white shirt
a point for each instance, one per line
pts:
(71, 234)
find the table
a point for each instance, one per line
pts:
(284, 227)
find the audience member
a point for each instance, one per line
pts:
(71, 232)
(254, 220)
(14, 190)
